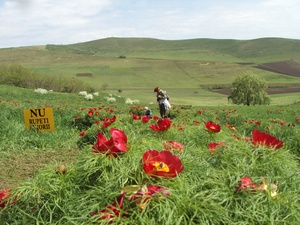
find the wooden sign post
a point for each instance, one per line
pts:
(40, 119)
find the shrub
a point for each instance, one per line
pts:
(20, 76)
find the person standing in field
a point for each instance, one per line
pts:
(162, 100)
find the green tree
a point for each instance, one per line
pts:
(249, 90)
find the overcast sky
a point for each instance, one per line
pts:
(41, 22)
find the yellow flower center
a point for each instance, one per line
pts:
(160, 166)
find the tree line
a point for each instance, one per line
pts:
(19, 76)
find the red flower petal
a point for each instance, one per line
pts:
(111, 211)
(173, 145)
(136, 117)
(145, 119)
(247, 184)
(115, 145)
(163, 164)
(155, 117)
(3, 195)
(212, 127)
(213, 146)
(161, 125)
(262, 138)
(119, 140)
(82, 133)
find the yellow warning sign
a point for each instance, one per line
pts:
(39, 119)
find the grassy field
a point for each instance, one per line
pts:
(205, 192)
(184, 68)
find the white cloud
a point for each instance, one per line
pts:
(40, 22)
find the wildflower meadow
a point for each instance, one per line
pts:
(201, 165)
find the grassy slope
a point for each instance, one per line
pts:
(257, 50)
(181, 67)
(202, 194)
(24, 153)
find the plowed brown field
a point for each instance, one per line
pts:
(290, 67)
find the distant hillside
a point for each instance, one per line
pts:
(188, 69)
(257, 50)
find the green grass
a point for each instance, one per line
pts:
(203, 49)
(204, 193)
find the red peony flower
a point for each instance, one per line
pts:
(282, 123)
(214, 145)
(161, 125)
(112, 211)
(136, 117)
(112, 119)
(90, 113)
(110, 110)
(163, 164)
(3, 195)
(212, 127)
(115, 145)
(145, 119)
(262, 138)
(82, 133)
(246, 184)
(144, 194)
(155, 117)
(106, 122)
(173, 146)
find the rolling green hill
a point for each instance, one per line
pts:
(187, 69)
(257, 50)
